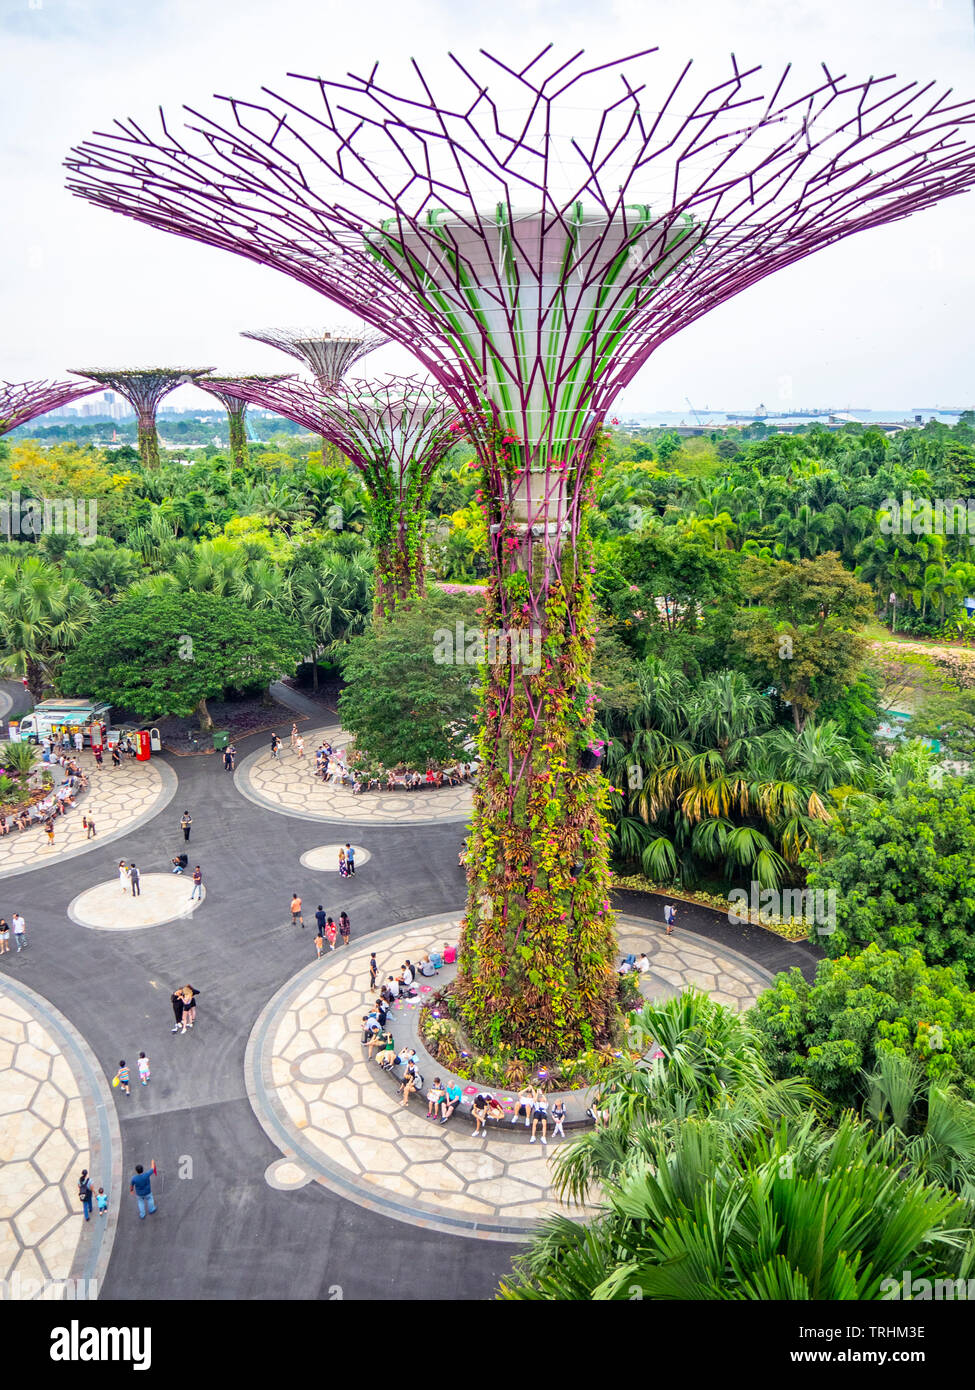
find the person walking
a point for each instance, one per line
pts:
(122, 1077)
(135, 878)
(296, 910)
(176, 999)
(144, 1072)
(197, 884)
(4, 937)
(232, 755)
(97, 754)
(300, 746)
(102, 1201)
(185, 822)
(89, 825)
(20, 931)
(373, 971)
(189, 1006)
(141, 1185)
(343, 864)
(350, 859)
(116, 757)
(84, 1192)
(345, 928)
(670, 913)
(275, 745)
(49, 828)
(319, 943)
(294, 735)
(330, 934)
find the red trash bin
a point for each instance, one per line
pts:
(142, 748)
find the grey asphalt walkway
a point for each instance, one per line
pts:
(222, 1231)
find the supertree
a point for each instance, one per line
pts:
(328, 353)
(21, 401)
(236, 408)
(394, 431)
(144, 388)
(532, 238)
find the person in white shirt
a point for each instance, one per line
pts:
(20, 931)
(643, 963)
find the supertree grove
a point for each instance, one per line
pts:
(144, 389)
(21, 401)
(532, 238)
(394, 431)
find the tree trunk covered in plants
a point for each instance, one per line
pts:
(537, 947)
(148, 442)
(34, 672)
(396, 516)
(203, 714)
(238, 437)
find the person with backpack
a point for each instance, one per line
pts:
(186, 821)
(670, 914)
(84, 1192)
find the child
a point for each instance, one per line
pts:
(143, 1068)
(123, 1076)
(102, 1201)
(319, 943)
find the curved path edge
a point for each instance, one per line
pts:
(105, 1150)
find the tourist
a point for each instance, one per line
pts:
(186, 820)
(643, 963)
(390, 990)
(370, 1029)
(319, 943)
(4, 827)
(122, 1077)
(450, 955)
(294, 735)
(331, 932)
(350, 859)
(97, 751)
(135, 878)
(427, 969)
(197, 891)
(141, 1185)
(189, 1006)
(321, 917)
(539, 1116)
(296, 916)
(373, 970)
(597, 1111)
(102, 1201)
(300, 746)
(408, 973)
(479, 1116)
(176, 999)
(143, 1065)
(49, 827)
(116, 760)
(412, 1081)
(275, 744)
(4, 937)
(20, 931)
(79, 740)
(343, 864)
(89, 825)
(558, 1117)
(523, 1107)
(434, 1097)
(387, 1056)
(452, 1098)
(84, 1192)
(124, 875)
(345, 929)
(670, 914)
(179, 863)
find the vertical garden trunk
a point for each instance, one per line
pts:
(536, 965)
(396, 517)
(148, 442)
(238, 438)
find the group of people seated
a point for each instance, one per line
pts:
(56, 803)
(411, 780)
(402, 985)
(641, 964)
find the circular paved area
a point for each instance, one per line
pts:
(119, 800)
(325, 858)
(288, 784)
(325, 1107)
(164, 898)
(56, 1117)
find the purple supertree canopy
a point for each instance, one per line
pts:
(393, 422)
(21, 401)
(328, 353)
(233, 403)
(532, 257)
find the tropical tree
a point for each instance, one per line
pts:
(43, 615)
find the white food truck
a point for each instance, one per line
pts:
(56, 716)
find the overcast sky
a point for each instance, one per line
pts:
(883, 320)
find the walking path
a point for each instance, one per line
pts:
(56, 1117)
(287, 784)
(118, 800)
(336, 1120)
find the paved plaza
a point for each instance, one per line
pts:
(288, 784)
(338, 1120)
(163, 898)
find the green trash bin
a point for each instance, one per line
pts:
(221, 738)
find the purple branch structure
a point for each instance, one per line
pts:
(236, 408)
(394, 431)
(21, 401)
(144, 388)
(532, 237)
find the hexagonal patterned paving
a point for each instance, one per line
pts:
(329, 1111)
(49, 1132)
(288, 784)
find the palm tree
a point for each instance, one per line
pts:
(42, 616)
(930, 1123)
(333, 603)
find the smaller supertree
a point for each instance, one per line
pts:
(236, 408)
(144, 388)
(328, 353)
(21, 401)
(394, 431)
